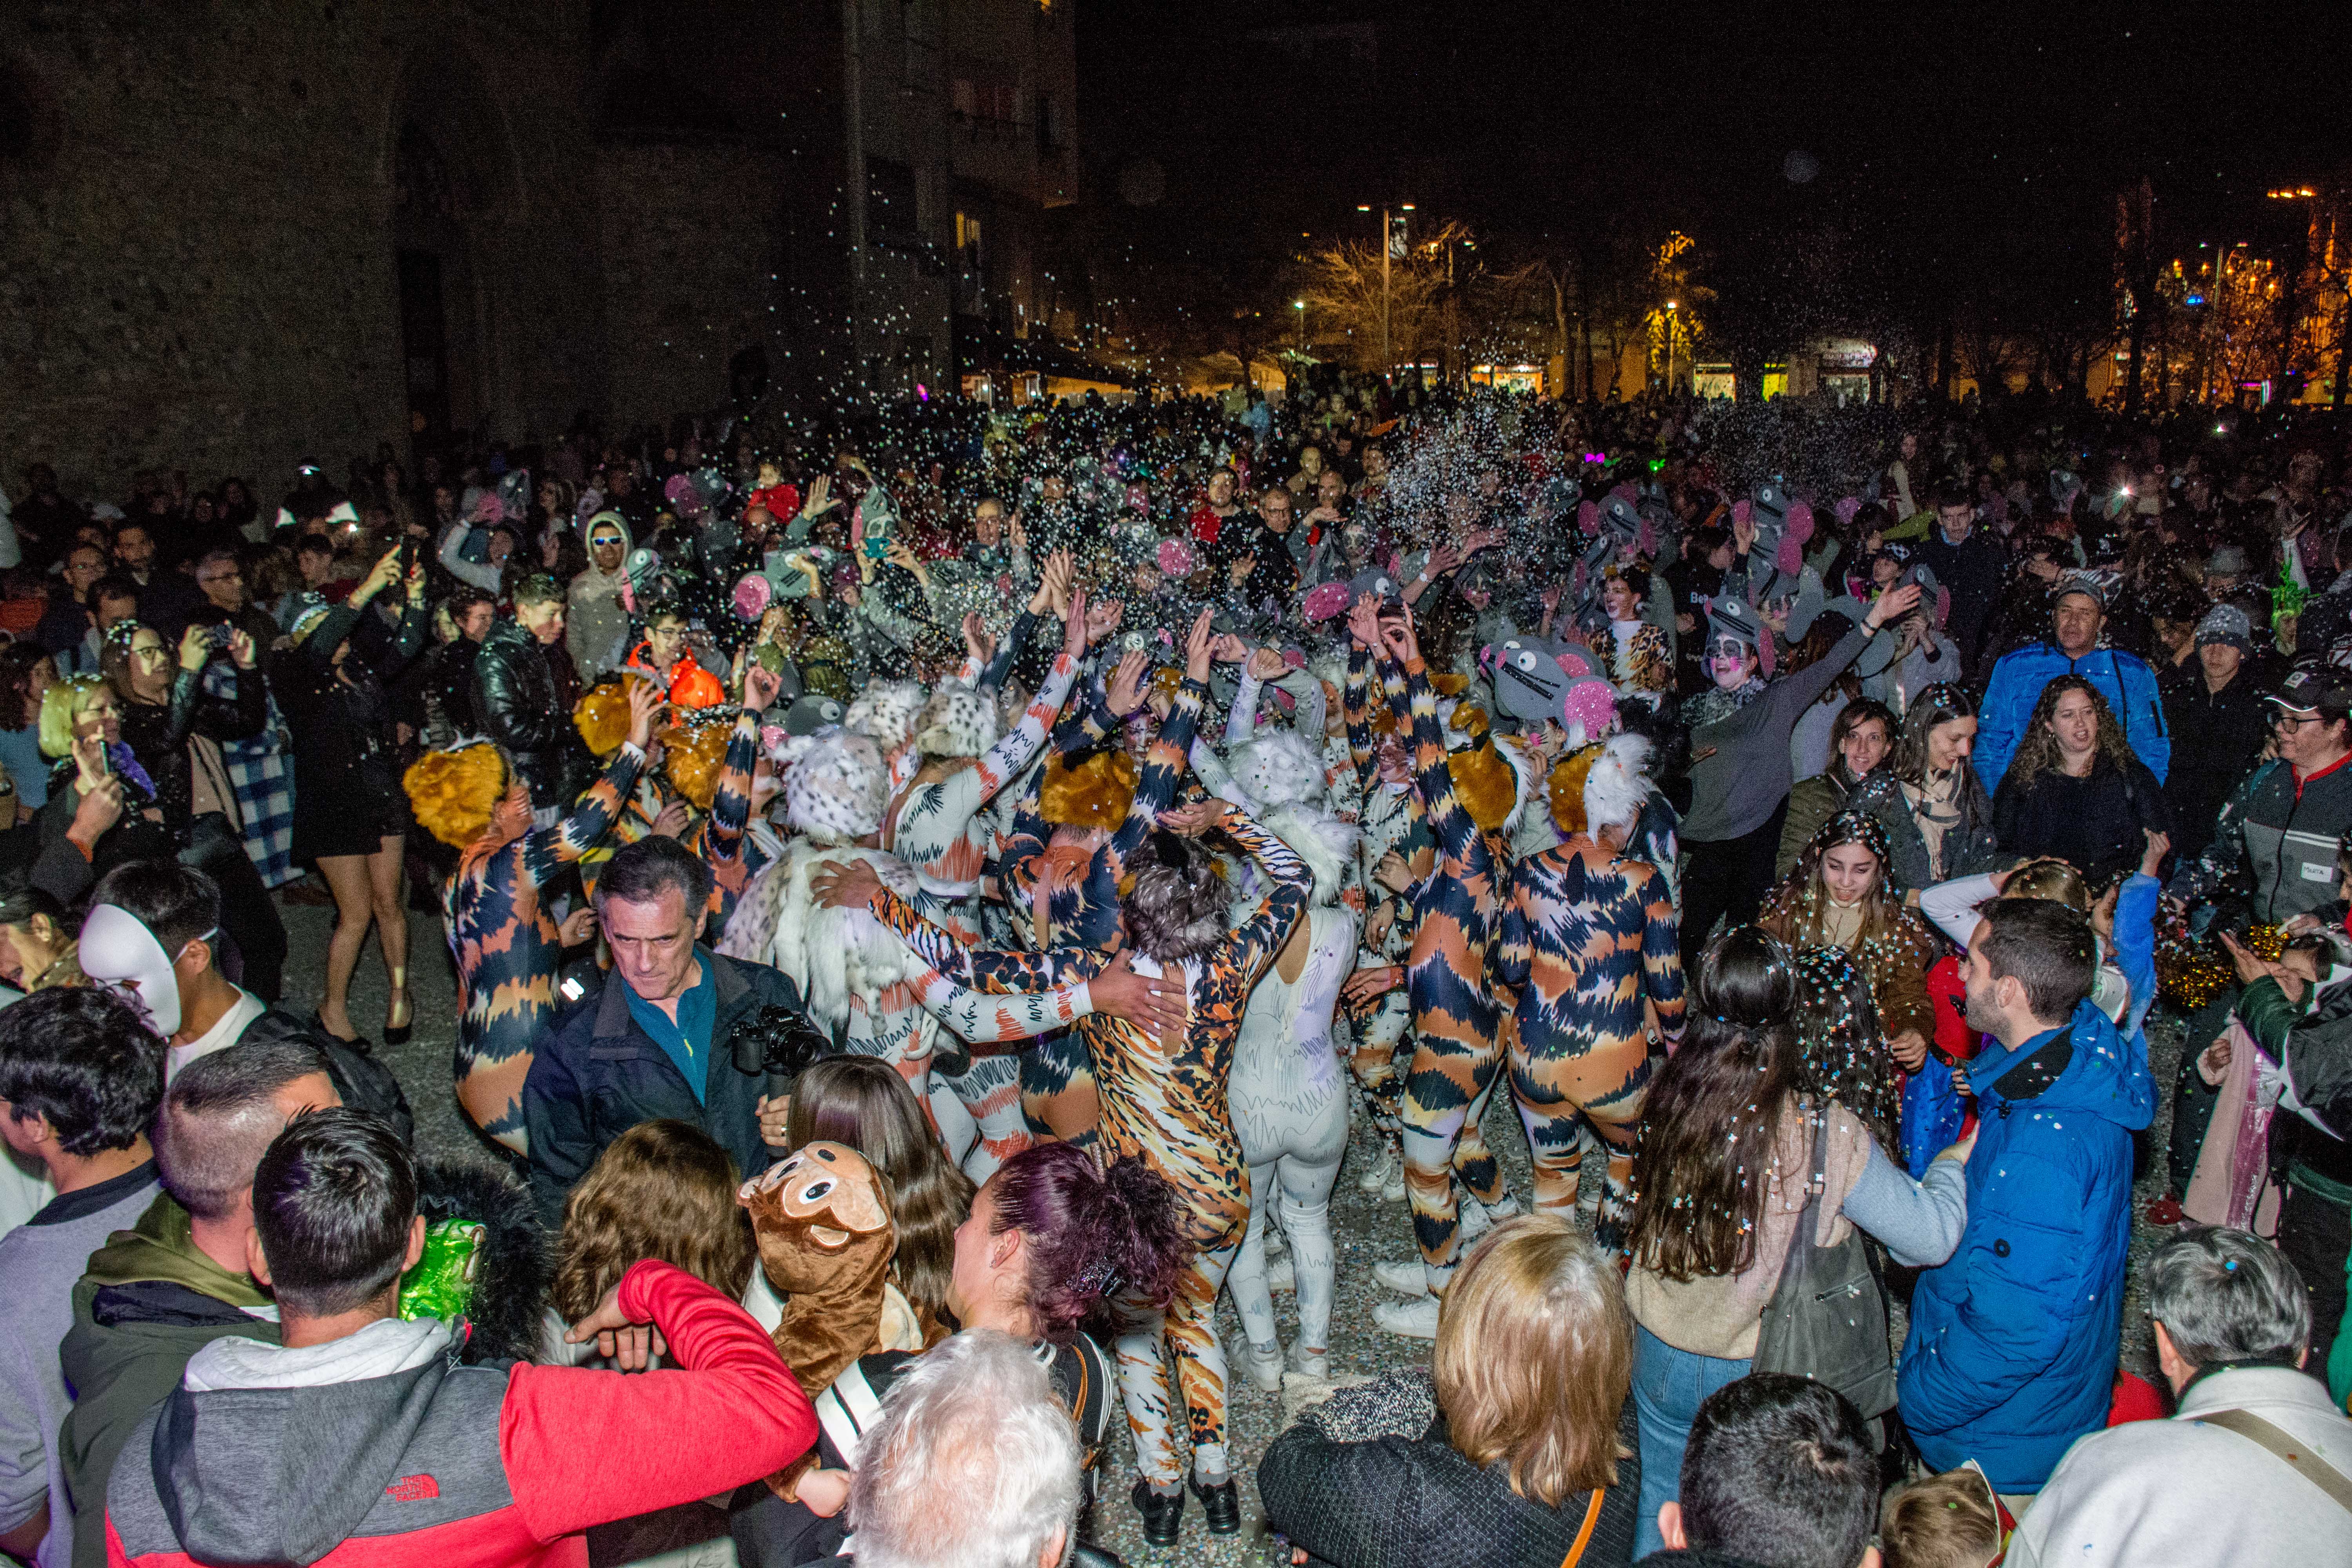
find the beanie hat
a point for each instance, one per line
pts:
(2226, 624)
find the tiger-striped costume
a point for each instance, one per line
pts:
(1165, 1103)
(1391, 817)
(506, 948)
(1585, 936)
(1457, 1017)
(1063, 891)
(735, 847)
(938, 828)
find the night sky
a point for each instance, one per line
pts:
(1931, 125)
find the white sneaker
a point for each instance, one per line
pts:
(1415, 1319)
(1281, 1276)
(1406, 1279)
(1309, 1363)
(1476, 1219)
(1264, 1367)
(1377, 1175)
(1394, 1188)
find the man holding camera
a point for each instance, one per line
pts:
(654, 1037)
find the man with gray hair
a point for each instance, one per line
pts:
(653, 1038)
(973, 1464)
(2257, 1465)
(180, 1278)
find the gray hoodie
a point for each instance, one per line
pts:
(596, 622)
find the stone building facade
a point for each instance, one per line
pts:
(237, 234)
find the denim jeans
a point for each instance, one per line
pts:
(1669, 1385)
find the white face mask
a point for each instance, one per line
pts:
(119, 952)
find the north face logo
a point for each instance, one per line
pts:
(412, 1489)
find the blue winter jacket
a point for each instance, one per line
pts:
(2011, 1353)
(2123, 678)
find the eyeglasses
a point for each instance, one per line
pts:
(2281, 720)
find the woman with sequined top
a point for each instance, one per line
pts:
(1840, 897)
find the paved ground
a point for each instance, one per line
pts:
(1366, 1228)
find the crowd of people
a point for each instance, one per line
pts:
(936, 894)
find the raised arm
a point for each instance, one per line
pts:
(545, 850)
(731, 801)
(1261, 936)
(1164, 764)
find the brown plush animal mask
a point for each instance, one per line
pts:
(821, 1219)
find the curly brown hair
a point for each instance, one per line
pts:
(664, 1189)
(2037, 753)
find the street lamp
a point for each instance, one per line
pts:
(1388, 248)
(1671, 308)
(1301, 306)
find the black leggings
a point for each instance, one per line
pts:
(1727, 877)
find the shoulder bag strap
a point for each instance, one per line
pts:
(2297, 1456)
(1584, 1536)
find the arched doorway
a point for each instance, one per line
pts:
(429, 249)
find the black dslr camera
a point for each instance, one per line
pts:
(779, 1043)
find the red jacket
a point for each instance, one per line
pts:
(461, 1466)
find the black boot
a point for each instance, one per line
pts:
(1221, 1505)
(1162, 1515)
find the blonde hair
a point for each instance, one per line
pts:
(1943, 1521)
(1535, 1359)
(62, 706)
(664, 1190)
(2053, 879)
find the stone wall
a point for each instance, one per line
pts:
(692, 239)
(197, 228)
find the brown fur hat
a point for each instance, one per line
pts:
(693, 752)
(453, 793)
(1492, 782)
(602, 715)
(1095, 792)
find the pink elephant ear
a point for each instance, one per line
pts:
(1588, 518)
(1592, 705)
(1625, 491)
(1487, 656)
(1943, 606)
(1581, 572)
(1791, 558)
(1740, 509)
(1765, 657)
(1845, 509)
(1645, 539)
(752, 593)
